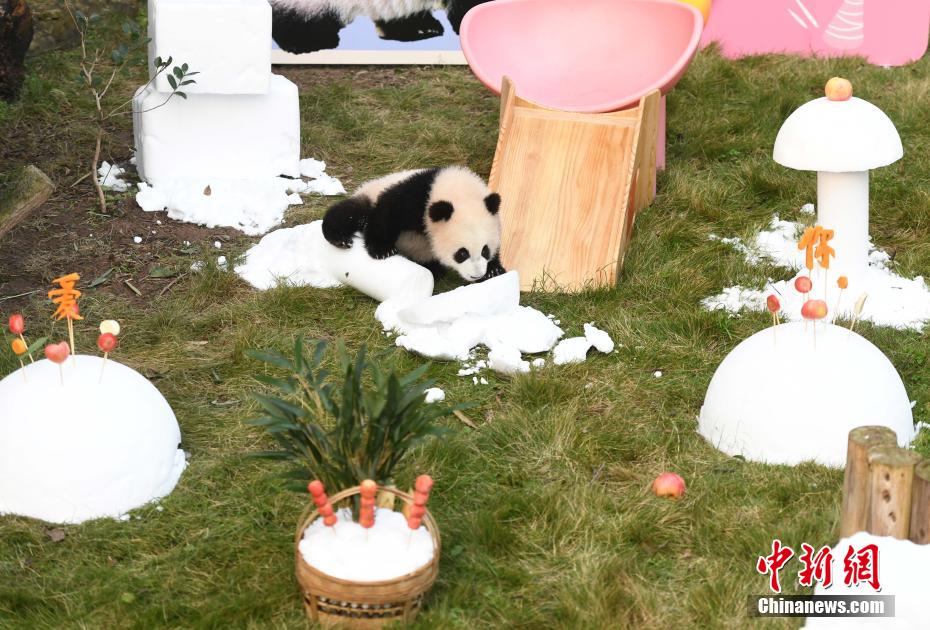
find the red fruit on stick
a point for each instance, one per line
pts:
(366, 515)
(803, 284)
(17, 324)
(413, 523)
(420, 498)
(417, 512)
(107, 342)
(57, 352)
(424, 483)
(842, 282)
(772, 303)
(324, 507)
(814, 309)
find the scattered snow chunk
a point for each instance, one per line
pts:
(599, 339)
(110, 177)
(136, 239)
(434, 394)
(572, 350)
(507, 360)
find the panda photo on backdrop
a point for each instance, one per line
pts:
(304, 26)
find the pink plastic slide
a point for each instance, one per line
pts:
(886, 32)
(583, 55)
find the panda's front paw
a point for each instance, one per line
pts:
(380, 253)
(345, 243)
(494, 269)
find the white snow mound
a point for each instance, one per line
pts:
(782, 397)
(88, 449)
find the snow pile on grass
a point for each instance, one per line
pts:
(252, 205)
(289, 256)
(91, 448)
(901, 573)
(388, 550)
(892, 300)
(110, 177)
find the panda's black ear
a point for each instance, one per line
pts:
(441, 211)
(493, 202)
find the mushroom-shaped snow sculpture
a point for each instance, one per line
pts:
(842, 138)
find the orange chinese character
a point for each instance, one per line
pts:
(774, 562)
(815, 242)
(861, 566)
(66, 297)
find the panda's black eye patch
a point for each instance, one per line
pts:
(486, 253)
(461, 255)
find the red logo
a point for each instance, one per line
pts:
(860, 566)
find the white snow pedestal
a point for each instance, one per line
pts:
(778, 398)
(227, 41)
(902, 572)
(86, 449)
(239, 123)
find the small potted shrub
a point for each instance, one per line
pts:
(358, 564)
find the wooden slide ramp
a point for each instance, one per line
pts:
(571, 185)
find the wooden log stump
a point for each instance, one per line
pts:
(892, 479)
(854, 516)
(920, 504)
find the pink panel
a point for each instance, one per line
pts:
(583, 55)
(886, 32)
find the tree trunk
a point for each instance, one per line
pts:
(15, 37)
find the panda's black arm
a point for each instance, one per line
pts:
(381, 233)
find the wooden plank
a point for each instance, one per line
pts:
(564, 185)
(920, 504)
(28, 191)
(854, 515)
(891, 481)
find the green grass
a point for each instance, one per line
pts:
(545, 512)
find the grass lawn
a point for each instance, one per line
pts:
(545, 509)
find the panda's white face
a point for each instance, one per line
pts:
(463, 225)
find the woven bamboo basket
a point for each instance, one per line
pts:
(335, 602)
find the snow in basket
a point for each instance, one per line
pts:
(87, 448)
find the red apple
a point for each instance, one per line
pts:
(814, 309)
(803, 284)
(107, 342)
(838, 89)
(315, 487)
(424, 484)
(669, 485)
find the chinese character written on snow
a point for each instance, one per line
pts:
(860, 566)
(815, 243)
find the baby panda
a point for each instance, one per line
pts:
(302, 26)
(439, 217)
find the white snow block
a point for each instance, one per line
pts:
(245, 136)
(227, 41)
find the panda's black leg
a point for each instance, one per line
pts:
(296, 33)
(437, 269)
(381, 234)
(495, 268)
(344, 219)
(411, 28)
(456, 10)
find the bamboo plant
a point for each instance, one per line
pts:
(356, 423)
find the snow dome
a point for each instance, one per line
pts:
(784, 397)
(85, 442)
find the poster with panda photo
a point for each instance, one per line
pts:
(368, 31)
